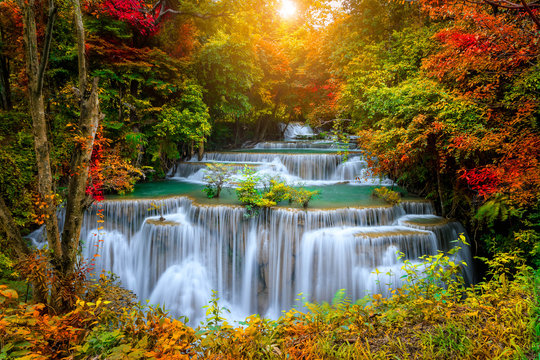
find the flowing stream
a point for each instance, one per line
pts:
(176, 247)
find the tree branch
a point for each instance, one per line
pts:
(79, 26)
(531, 14)
(53, 11)
(510, 5)
(163, 10)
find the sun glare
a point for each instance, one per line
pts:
(288, 9)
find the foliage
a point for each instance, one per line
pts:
(433, 317)
(252, 194)
(247, 192)
(302, 196)
(390, 196)
(119, 174)
(6, 266)
(447, 106)
(216, 176)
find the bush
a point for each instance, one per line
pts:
(433, 317)
(302, 196)
(215, 178)
(390, 196)
(253, 196)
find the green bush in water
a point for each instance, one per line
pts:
(215, 178)
(302, 196)
(253, 197)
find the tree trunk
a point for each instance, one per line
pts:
(120, 102)
(5, 90)
(266, 122)
(62, 252)
(88, 124)
(439, 183)
(285, 128)
(262, 134)
(133, 90)
(439, 191)
(11, 231)
(201, 150)
(236, 131)
(258, 127)
(36, 72)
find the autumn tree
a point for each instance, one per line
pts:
(63, 244)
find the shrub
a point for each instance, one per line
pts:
(302, 196)
(247, 192)
(215, 178)
(425, 320)
(390, 196)
(251, 195)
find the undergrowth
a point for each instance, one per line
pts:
(433, 318)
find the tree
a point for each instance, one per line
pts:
(10, 26)
(184, 122)
(62, 247)
(216, 177)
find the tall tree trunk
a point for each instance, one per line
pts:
(11, 231)
(63, 252)
(236, 130)
(36, 72)
(266, 122)
(262, 133)
(201, 150)
(439, 191)
(88, 125)
(133, 91)
(5, 89)
(75, 205)
(258, 123)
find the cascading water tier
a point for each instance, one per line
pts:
(175, 250)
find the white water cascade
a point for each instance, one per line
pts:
(294, 131)
(303, 144)
(257, 265)
(175, 251)
(293, 168)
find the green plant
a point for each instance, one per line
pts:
(101, 343)
(536, 314)
(214, 314)
(215, 178)
(302, 196)
(390, 196)
(278, 191)
(247, 192)
(447, 341)
(437, 276)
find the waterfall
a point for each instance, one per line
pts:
(184, 290)
(174, 251)
(447, 233)
(296, 130)
(344, 258)
(305, 166)
(293, 168)
(303, 144)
